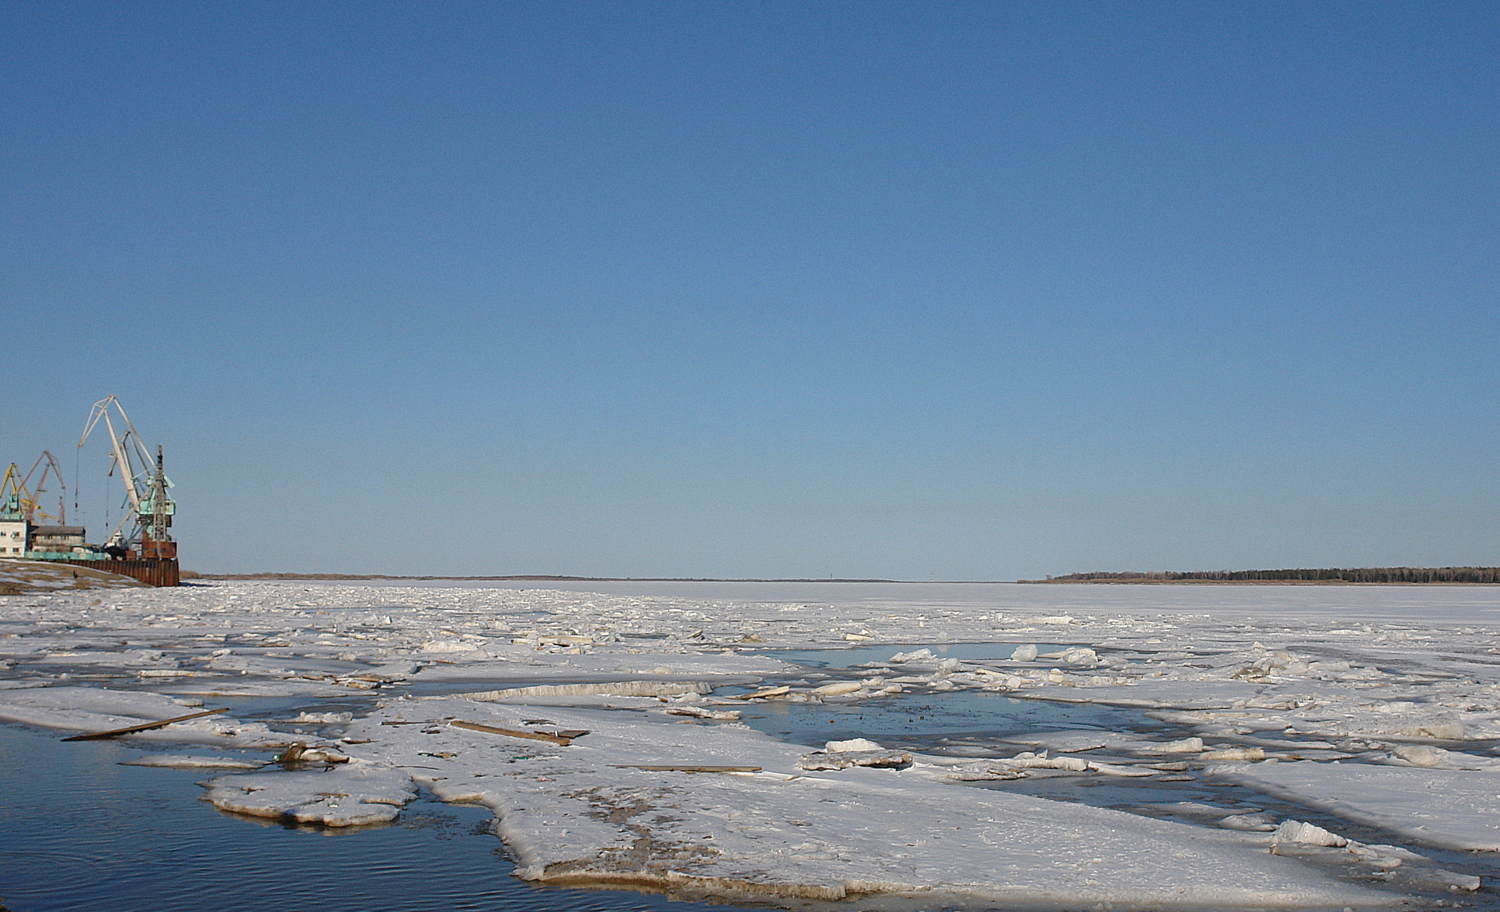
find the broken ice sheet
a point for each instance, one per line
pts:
(97, 709)
(354, 794)
(572, 812)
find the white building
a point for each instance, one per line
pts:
(12, 537)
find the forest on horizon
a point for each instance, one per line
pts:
(1478, 575)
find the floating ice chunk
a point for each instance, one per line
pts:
(1297, 832)
(1235, 754)
(1421, 754)
(349, 795)
(1115, 769)
(1453, 880)
(1003, 682)
(780, 691)
(1428, 756)
(837, 760)
(1029, 760)
(837, 688)
(447, 646)
(979, 772)
(1437, 729)
(1024, 653)
(853, 744)
(324, 717)
(916, 655)
(1079, 655)
(1191, 745)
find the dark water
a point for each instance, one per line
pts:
(78, 831)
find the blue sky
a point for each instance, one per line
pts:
(899, 290)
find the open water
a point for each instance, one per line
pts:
(81, 833)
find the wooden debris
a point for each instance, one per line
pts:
(564, 738)
(148, 726)
(676, 768)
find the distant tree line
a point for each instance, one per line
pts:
(1359, 575)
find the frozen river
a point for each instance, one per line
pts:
(912, 745)
(85, 831)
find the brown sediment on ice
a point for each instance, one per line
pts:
(647, 861)
(585, 873)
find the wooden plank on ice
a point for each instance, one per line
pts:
(148, 726)
(564, 738)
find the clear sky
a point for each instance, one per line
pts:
(905, 290)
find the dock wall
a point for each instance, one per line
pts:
(151, 572)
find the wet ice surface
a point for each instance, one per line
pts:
(995, 746)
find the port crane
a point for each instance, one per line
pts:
(145, 483)
(13, 496)
(33, 498)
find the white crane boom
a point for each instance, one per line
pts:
(145, 489)
(127, 448)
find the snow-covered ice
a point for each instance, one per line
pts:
(1331, 746)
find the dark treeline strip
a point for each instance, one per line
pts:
(1359, 575)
